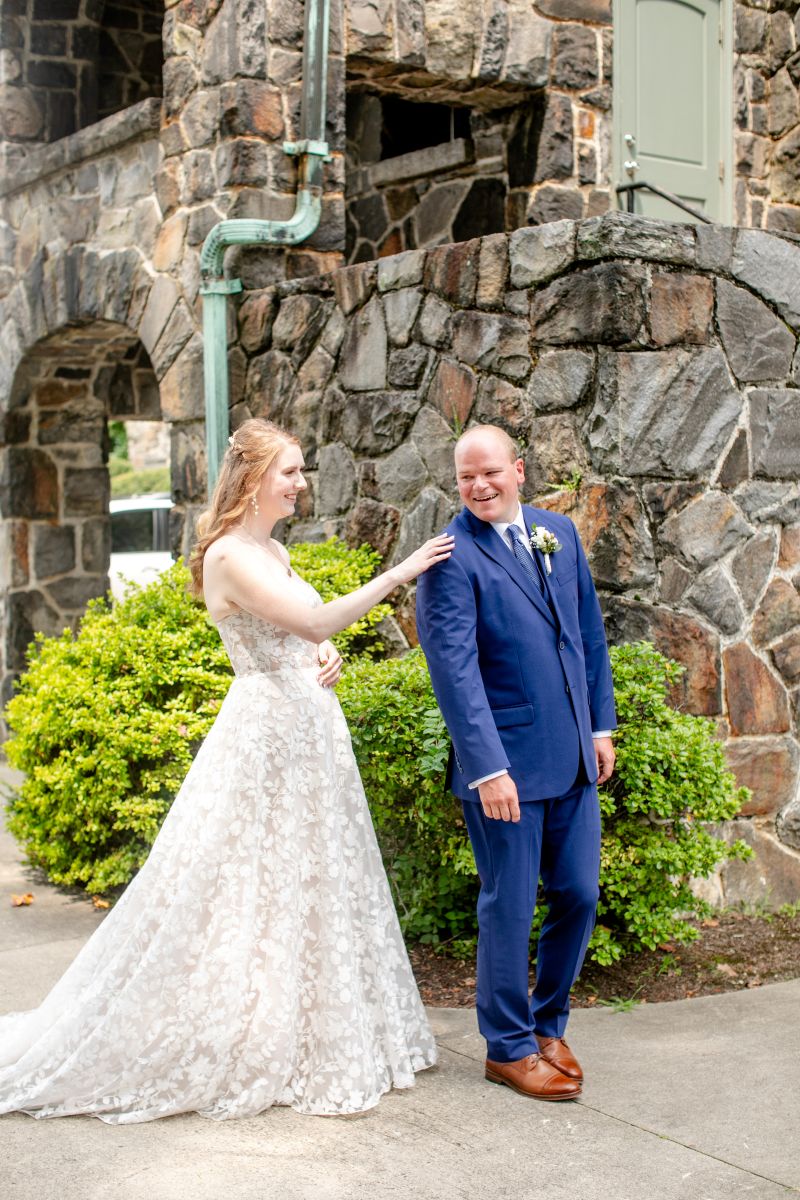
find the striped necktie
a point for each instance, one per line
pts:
(524, 558)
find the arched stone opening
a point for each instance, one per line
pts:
(54, 481)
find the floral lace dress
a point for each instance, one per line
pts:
(256, 958)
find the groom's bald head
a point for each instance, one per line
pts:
(489, 473)
(486, 435)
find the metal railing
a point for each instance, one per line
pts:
(630, 188)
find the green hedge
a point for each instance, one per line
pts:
(670, 781)
(669, 785)
(105, 723)
(139, 483)
(333, 568)
(401, 747)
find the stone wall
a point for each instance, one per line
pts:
(100, 238)
(66, 65)
(54, 486)
(232, 89)
(535, 82)
(650, 373)
(97, 321)
(767, 115)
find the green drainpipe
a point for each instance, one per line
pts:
(311, 151)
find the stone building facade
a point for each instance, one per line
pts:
(622, 354)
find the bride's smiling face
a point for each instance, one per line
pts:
(281, 484)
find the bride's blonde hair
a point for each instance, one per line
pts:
(251, 452)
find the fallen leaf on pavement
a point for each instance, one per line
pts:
(22, 901)
(99, 902)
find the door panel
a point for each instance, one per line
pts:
(670, 95)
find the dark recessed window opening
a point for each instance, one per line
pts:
(407, 127)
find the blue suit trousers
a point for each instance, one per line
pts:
(558, 839)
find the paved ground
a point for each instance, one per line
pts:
(694, 1100)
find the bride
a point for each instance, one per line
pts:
(256, 958)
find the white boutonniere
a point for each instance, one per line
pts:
(542, 539)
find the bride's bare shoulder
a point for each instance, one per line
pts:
(225, 547)
(223, 556)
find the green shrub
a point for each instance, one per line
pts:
(334, 569)
(105, 724)
(128, 482)
(118, 466)
(670, 781)
(118, 438)
(401, 747)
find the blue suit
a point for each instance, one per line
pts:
(522, 678)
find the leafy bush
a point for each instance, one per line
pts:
(127, 482)
(334, 569)
(401, 747)
(105, 724)
(670, 781)
(118, 438)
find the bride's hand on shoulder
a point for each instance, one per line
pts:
(434, 551)
(330, 661)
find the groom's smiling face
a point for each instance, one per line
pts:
(489, 477)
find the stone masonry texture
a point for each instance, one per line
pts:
(766, 115)
(648, 370)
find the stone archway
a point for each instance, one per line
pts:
(99, 307)
(54, 488)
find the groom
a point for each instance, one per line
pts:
(517, 654)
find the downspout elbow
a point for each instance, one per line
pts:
(244, 232)
(300, 226)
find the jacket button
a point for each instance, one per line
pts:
(566, 689)
(562, 645)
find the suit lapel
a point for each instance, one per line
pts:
(492, 545)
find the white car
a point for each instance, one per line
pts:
(139, 540)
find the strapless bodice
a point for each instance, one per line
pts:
(256, 647)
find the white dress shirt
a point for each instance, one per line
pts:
(500, 528)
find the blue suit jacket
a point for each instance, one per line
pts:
(521, 682)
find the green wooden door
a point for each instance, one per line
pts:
(672, 120)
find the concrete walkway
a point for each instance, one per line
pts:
(694, 1100)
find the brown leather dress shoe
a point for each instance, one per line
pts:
(532, 1076)
(557, 1052)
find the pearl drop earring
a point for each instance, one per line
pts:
(254, 503)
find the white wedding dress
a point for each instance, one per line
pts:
(256, 958)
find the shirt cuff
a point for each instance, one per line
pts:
(602, 733)
(486, 778)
